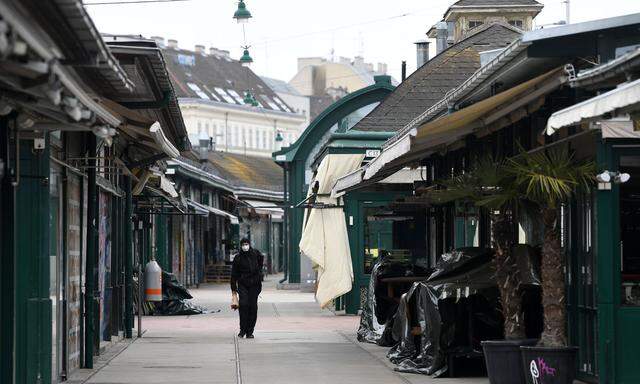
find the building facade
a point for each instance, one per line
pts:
(227, 103)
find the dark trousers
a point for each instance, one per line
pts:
(248, 298)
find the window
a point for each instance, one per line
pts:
(236, 96)
(250, 143)
(206, 127)
(475, 24)
(198, 91)
(516, 23)
(199, 127)
(264, 139)
(225, 95)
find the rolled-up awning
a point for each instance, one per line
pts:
(324, 237)
(218, 212)
(428, 138)
(621, 100)
(266, 208)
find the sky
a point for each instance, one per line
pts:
(283, 30)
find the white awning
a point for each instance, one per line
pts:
(324, 236)
(167, 186)
(266, 208)
(215, 211)
(348, 182)
(162, 141)
(617, 129)
(617, 101)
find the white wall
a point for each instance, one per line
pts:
(240, 130)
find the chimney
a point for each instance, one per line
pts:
(159, 40)
(382, 68)
(344, 60)
(441, 36)
(422, 52)
(358, 61)
(200, 49)
(173, 44)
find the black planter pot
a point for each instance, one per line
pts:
(504, 360)
(549, 365)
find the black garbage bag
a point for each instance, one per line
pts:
(175, 299)
(172, 289)
(379, 311)
(453, 311)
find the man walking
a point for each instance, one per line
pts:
(246, 281)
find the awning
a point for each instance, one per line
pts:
(486, 114)
(207, 210)
(483, 117)
(356, 178)
(324, 236)
(621, 100)
(266, 208)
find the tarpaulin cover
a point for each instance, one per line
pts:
(324, 237)
(175, 299)
(379, 309)
(455, 309)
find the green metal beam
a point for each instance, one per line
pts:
(91, 265)
(607, 209)
(32, 327)
(161, 242)
(7, 258)
(128, 259)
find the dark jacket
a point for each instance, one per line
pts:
(247, 269)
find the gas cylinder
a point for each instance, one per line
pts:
(153, 281)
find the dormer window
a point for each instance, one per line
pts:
(517, 23)
(475, 23)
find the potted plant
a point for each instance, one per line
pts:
(488, 185)
(549, 178)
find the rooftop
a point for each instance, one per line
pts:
(430, 83)
(218, 78)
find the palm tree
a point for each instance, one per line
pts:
(488, 185)
(549, 178)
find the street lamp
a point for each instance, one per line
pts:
(242, 14)
(249, 99)
(279, 140)
(246, 59)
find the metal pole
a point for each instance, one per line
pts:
(92, 254)
(140, 298)
(568, 10)
(128, 259)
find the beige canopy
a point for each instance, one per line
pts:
(324, 235)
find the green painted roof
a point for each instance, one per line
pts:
(288, 154)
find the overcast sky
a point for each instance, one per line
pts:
(283, 30)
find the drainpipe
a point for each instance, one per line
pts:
(285, 225)
(92, 254)
(128, 259)
(226, 131)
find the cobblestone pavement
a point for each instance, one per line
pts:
(295, 342)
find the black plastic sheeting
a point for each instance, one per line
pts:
(176, 300)
(454, 309)
(379, 312)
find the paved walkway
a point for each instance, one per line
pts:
(295, 342)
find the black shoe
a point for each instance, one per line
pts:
(241, 335)
(250, 336)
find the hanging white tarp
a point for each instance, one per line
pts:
(617, 100)
(324, 235)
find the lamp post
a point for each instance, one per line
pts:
(279, 140)
(246, 59)
(242, 14)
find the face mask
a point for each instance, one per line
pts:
(245, 247)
